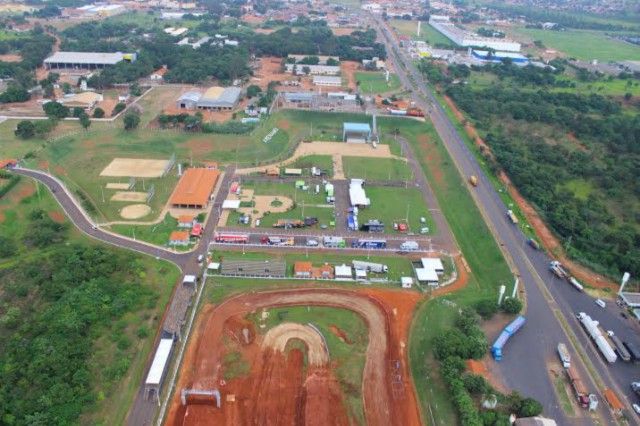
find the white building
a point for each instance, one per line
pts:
(427, 276)
(407, 282)
(313, 69)
(468, 39)
(319, 80)
(434, 264)
(357, 195)
(343, 272)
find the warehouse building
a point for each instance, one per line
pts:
(195, 189)
(485, 55)
(468, 39)
(327, 81)
(189, 100)
(86, 60)
(219, 98)
(313, 69)
(322, 60)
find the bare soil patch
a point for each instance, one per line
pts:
(135, 167)
(57, 216)
(129, 196)
(349, 69)
(278, 337)
(117, 186)
(135, 211)
(340, 334)
(10, 58)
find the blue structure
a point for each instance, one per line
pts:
(356, 132)
(506, 334)
(351, 223)
(369, 244)
(484, 55)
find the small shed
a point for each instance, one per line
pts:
(299, 184)
(343, 272)
(325, 271)
(356, 132)
(407, 282)
(433, 263)
(302, 269)
(427, 276)
(213, 266)
(293, 172)
(361, 274)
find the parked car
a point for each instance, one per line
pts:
(424, 230)
(600, 303)
(257, 222)
(200, 258)
(312, 243)
(636, 408)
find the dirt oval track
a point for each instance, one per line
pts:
(202, 363)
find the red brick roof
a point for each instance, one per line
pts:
(9, 162)
(179, 236)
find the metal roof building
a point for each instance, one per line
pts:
(434, 264)
(189, 100)
(220, 98)
(320, 80)
(427, 276)
(86, 60)
(298, 96)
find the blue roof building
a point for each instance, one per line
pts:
(484, 55)
(356, 132)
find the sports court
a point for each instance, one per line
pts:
(137, 167)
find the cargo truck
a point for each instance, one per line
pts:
(473, 180)
(563, 353)
(232, 238)
(582, 395)
(633, 352)
(278, 241)
(288, 223)
(623, 353)
(369, 244)
(333, 242)
(575, 283)
(557, 269)
(409, 246)
(512, 217)
(506, 334)
(370, 267)
(593, 330)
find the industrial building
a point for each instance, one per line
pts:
(195, 189)
(327, 81)
(189, 100)
(468, 39)
(356, 132)
(322, 60)
(485, 55)
(313, 69)
(86, 60)
(219, 98)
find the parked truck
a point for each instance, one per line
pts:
(506, 334)
(582, 394)
(288, 223)
(232, 238)
(370, 267)
(333, 242)
(409, 246)
(623, 353)
(369, 244)
(563, 353)
(593, 330)
(278, 241)
(512, 217)
(473, 180)
(575, 283)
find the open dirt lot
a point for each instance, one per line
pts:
(135, 211)
(278, 337)
(262, 204)
(348, 69)
(135, 167)
(336, 150)
(275, 391)
(129, 196)
(117, 186)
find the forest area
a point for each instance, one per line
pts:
(575, 157)
(74, 318)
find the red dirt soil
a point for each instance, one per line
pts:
(43, 165)
(57, 216)
(275, 392)
(548, 240)
(575, 140)
(340, 334)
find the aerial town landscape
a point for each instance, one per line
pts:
(335, 212)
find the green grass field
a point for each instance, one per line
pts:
(384, 169)
(374, 82)
(393, 204)
(584, 45)
(154, 234)
(427, 32)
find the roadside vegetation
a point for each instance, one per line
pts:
(76, 318)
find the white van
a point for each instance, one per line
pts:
(424, 230)
(600, 303)
(257, 222)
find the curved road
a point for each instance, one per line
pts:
(537, 341)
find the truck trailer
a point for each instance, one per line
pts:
(278, 241)
(512, 217)
(582, 395)
(557, 269)
(506, 334)
(333, 242)
(369, 244)
(232, 238)
(370, 267)
(563, 353)
(410, 246)
(623, 353)
(593, 330)
(575, 283)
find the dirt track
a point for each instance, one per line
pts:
(387, 331)
(278, 337)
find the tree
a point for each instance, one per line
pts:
(98, 113)
(25, 130)
(627, 96)
(253, 90)
(7, 247)
(56, 110)
(66, 88)
(332, 62)
(131, 121)
(512, 306)
(45, 126)
(85, 122)
(77, 111)
(487, 308)
(529, 408)
(475, 383)
(14, 93)
(306, 70)
(120, 106)
(134, 89)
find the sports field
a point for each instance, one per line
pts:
(375, 82)
(584, 45)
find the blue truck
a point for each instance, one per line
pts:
(369, 244)
(506, 334)
(351, 223)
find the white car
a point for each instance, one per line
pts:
(201, 258)
(257, 222)
(424, 230)
(312, 243)
(600, 303)
(636, 408)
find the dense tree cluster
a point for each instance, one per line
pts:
(54, 307)
(601, 225)
(33, 48)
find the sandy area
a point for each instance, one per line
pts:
(10, 58)
(262, 205)
(117, 186)
(278, 337)
(135, 211)
(335, 149)
(135, 167)
(348, 70)
(129, 196)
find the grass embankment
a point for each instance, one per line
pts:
(375, 82)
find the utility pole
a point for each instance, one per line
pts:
(102, 192)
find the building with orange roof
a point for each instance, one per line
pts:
(323, 272)
(179, 238)
(195, 189)
(302, 269)
(159, 74)
(8, 164)
(185, 221)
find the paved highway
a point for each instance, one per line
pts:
(525, 364)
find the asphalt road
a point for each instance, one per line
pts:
(527, 355)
